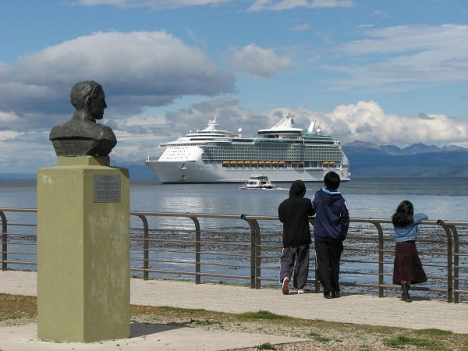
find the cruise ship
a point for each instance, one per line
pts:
(283, 153)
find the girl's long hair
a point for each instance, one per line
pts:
(404, 214)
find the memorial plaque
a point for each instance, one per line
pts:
(107, 188)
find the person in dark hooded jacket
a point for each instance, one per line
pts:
(294, 213)
(330, 229)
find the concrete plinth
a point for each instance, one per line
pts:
(83, 261)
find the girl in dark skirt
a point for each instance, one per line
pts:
(407, 267)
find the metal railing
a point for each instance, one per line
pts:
(18, 233)
(245, 249)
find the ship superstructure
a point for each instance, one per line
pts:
(283, 153)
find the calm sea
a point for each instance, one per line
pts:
(367, 198)
(439, 198)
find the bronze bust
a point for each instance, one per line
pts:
(82, 136)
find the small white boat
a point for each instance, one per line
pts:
(258, 182)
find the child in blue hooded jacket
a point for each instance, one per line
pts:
(330, 229)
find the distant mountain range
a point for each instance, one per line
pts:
(367, 160)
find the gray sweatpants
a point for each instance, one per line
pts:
(295, 260)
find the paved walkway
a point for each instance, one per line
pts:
(359, 309)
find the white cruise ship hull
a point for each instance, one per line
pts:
(281, 153)
(197, 172)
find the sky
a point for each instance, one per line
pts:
(384, 72)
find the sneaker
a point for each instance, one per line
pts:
(300, 291)
(335, 294)
(328, 295)
(285, 287)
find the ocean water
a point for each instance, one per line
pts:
(439, 198)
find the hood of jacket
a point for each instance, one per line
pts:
(298, 189)
(330, 196)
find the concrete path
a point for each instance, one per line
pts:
(359, 309)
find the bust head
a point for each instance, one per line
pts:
(89, 96)
(82, 136)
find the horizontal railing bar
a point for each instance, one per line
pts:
(13, 253)
(18, 244)
(192, 273)
(20, 262)
(15, 209)
(205, 263)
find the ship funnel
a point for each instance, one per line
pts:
(311, 127)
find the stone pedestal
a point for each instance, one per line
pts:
(83, 229)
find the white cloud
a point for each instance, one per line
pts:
(366, 121)
(97, 2)
(138, 136)
(7, 119)
(279, 5)
(257, 5)
(405, 57)
(256, 61)
(301, 27)
(152, 4)
(26, 152)
(380, 14)
(136, 69)
(409, 38)
(8, 134)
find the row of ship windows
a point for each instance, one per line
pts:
(249, 149)
(335, 154)
(319, 153)
(324, 143)
(280, 164)
(270, 155)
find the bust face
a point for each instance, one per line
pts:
(97, 105)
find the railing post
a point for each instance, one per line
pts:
(145, 246)
(449, 260)
(381, 256)
(456, 264)
(197, 248)
(258, 272)
(315, 281)
(4, 241)
(255, 270)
